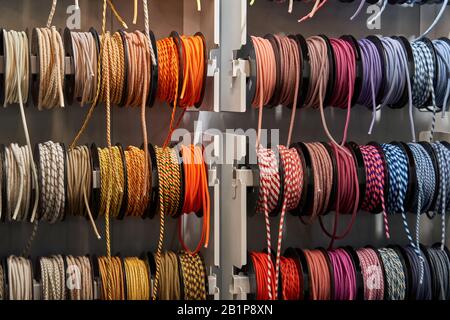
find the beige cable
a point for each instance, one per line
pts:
(85, 57)
(79, 183)
(79, 275)
(169, 283)
(20, 278)
(51, 63)
(53, 281)
(17, 73)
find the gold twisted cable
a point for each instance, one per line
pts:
(169, 196)
(138, 184)
(113, 181)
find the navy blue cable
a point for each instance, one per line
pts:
(421, 290)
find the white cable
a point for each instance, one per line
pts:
(20, 278)
(17, 70)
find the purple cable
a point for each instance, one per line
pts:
(344, 275)
(372, 77)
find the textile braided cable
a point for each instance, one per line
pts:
(395, 275)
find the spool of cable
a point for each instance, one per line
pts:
(85, 53)
(322, 182)
(80, 284)
(420, 288)
(372, 77)
(347, 193)
(53, 278)
(19, 195)
(442, 48)
(426, 182)
(375, 182)
(291, 283)
(440, 273)
(51, 167)
(196, 193)
(397, 76)
(112, 177)
(372, 272)
(79, 184)
(424, 78)
(20, 278)
(170, 198)
(344, 275)
(265, 277)
(394, 274)
(169, 286)
(47, 86)
(193, 272)
(399, 178)
(320, 274)
(116, 283)
(137, 279)
(138, 189)
(318, 55)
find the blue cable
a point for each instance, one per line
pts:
(442, 49)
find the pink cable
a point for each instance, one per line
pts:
(344, 275)
(372, 274)
(317, 5)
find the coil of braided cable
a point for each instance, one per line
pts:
(375, 180)
(112, 177)
(372, 273)
(116, 283)
(138, 187)
(51, 166)
(193, 271)
(53, 278)
(291, 283)
(169, 198)
(395, 275)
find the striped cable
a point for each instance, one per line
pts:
(375, 176)
(398, 172)
(395, 275)
(423, 87)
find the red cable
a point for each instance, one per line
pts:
(261, 263)
(291, 282)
